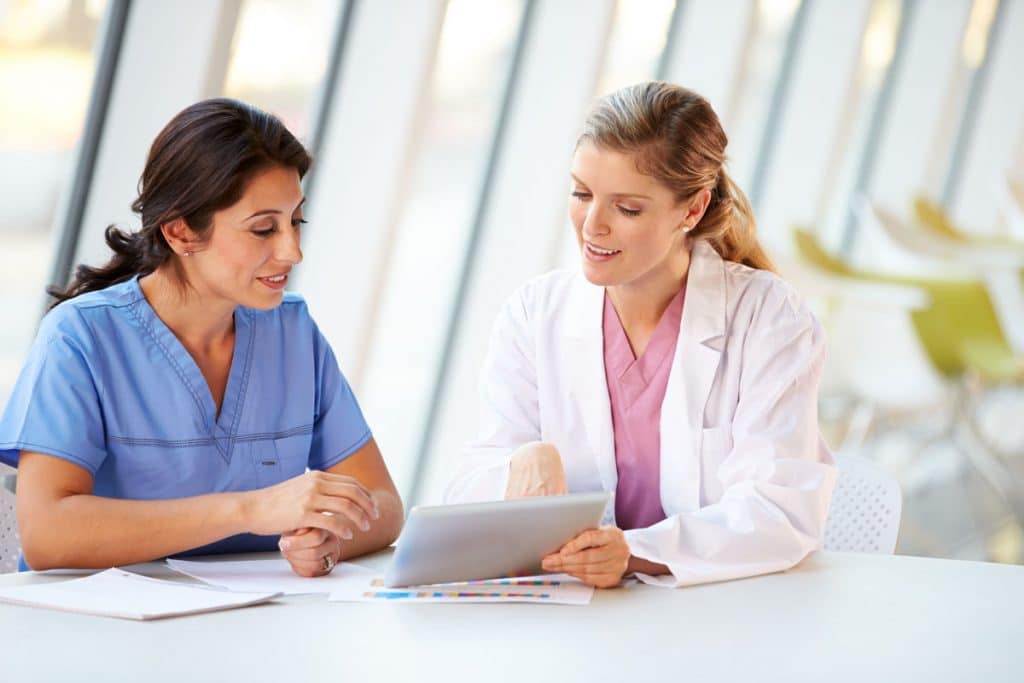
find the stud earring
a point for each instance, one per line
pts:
(187, 253)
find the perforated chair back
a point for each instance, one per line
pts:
(10, 546)
(866, 508)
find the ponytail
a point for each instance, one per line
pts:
(728, 225)
(134, 255)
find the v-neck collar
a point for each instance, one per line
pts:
(221, 427)
(660, 347)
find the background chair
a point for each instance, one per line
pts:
(10, 545)
(866, 508)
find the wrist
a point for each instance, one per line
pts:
(241, 511)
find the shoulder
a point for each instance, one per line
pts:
(765, 305)
(549, 292)
(74, 321)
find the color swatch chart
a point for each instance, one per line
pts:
(553, 589)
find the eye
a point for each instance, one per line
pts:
(298, 222)
(580, 195)
(265, 233)
(632, 213)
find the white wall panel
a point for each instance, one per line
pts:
(524, 222)
(169, 52)
(363, 168)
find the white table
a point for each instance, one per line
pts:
(836, 617)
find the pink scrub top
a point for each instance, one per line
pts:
(636, 389)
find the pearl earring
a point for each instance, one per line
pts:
(187, 253)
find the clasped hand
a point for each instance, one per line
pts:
(314, 513)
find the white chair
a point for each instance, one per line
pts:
(10, 546)
(866, 508)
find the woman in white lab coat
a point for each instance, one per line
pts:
(676, 370)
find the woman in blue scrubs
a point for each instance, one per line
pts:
(177, 400)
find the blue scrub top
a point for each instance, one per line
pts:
(108, 386)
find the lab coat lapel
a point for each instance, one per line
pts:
(588, 386)
(694, 366)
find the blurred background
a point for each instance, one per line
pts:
(881, 143)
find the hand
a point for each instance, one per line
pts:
(321, 500)
(598, 557)
(535, 469)
(305, 550)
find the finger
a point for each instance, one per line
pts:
(347, 487)
(584, 540)
(355, 495)
(342, 507)
(336, 524)
(297, 532)
(311, 554)
(314, 538)
(589, 557)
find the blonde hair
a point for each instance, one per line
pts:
(678, 140)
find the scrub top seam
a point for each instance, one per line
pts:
(177, 368)
(48, 450)
(243, 388)
(363, 439)
(261, 436)
(268, 436)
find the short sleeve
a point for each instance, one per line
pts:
(55, 407)
(339, 429)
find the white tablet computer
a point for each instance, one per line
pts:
(446, 543)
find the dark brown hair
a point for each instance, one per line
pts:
(200, 163)
(678, 140)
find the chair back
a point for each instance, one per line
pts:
(866, 508)
(10, 546)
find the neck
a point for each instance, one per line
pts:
(641, 302)
(199, 322)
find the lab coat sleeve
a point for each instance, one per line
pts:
(509, 413)
(778, 476)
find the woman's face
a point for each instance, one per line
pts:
(253, 244)
(628, 225)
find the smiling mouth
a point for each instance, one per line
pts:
(275, 278)
(601, 252)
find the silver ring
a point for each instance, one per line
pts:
(328, 563)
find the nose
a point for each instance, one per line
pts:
(288, 249)
(593, 222)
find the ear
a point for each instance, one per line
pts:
(695, 209)
(179, 236)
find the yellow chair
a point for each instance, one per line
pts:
(933, 218)
(960, 334)
(959, 329)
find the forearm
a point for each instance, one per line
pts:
(86, 531)
(639, 565)
(382, 532)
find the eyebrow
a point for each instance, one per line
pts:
(269, 212)
(616, 194)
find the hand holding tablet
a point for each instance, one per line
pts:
(464, 542)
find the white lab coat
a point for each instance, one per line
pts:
(746, 479)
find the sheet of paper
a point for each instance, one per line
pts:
(265, 575)
(117, 593)
(553, 589)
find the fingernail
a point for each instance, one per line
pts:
(347, 535)
(376, 512)
(364, 525)
(283, 545)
